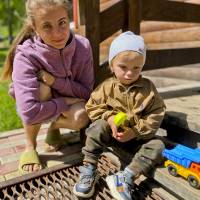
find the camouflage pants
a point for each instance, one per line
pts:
(145, 154)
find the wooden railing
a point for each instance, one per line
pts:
(101, 23)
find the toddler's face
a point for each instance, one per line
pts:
(127, 66)
(52, 25)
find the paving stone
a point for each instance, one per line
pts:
(11, 133)
(40, 143)
(2, 178)
(8, 167)
(64, 159)
(4, 141)
(41, 137)
(20, 148)
(10, 158)
(40, 150)
(7, 151)
(11, 175)
(17, 137)
(11, 144)
(52, 163)
(43, 131)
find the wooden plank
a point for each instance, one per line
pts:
(173, 187)
(134, 15)
(173, 45)
(112, 19)
(177, 185)
(184, 111)
(171, 57)
(186, 72)
(104, 4)
(164, 10)
(92, 16)
(150, 26)
(143, 181)
(180, 90)
(175, 35)
(175, 123)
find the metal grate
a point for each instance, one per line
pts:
(58, 185)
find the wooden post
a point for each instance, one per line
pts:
(81, 11)
(75, 13)
(92, 21)
(134, 15)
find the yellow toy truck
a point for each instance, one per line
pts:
(185, 162)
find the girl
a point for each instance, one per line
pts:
(52, 76)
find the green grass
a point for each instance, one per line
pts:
(3, 52)
(9, 119)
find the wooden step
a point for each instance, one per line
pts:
(187, 72)
(173, 35)
(172, 187)
(151, 26)
(182, 97)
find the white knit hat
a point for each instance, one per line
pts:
(127, 41)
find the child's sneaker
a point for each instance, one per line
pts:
(85, 186)
(120, 185)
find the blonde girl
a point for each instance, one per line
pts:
(52, 76)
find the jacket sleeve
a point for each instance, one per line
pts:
(96, 106)
(26, 89)
(81, 88)
(151, 116)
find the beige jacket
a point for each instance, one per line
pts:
(141, 101)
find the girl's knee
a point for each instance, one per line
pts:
(45, 92)
(81, 119)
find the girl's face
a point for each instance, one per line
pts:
(52, 25)
(127, 66)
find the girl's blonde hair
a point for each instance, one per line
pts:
(27, 31)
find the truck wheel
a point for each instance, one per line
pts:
(193, 181)
(172, 170)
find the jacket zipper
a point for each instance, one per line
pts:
(62, 61)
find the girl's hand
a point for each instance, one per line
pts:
(46, 77)
(127, 135)
(71, 100)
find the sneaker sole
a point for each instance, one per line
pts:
(111, 184)
(83, 195)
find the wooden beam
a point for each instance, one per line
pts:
(81, 11)
(103, 73)
(92, 23)
(113, 19)
(165, 10)
(134, 15)
(171, 57)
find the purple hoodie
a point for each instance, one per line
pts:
(72, 68)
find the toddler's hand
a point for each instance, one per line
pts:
(112, 126)
(46, 77)
(125, 136)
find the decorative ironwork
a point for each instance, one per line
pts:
(58, 185)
